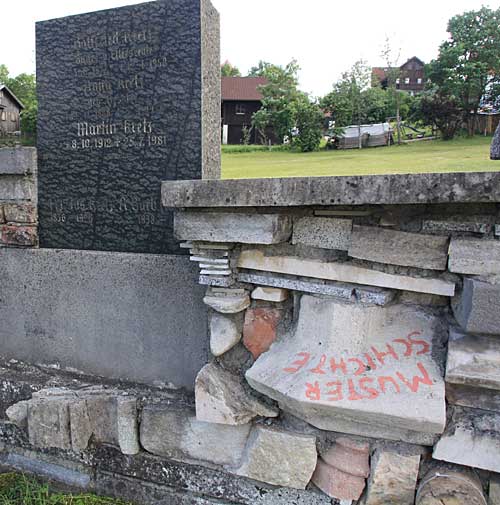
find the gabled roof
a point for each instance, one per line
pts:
(14, 97)
(242, 88)
(413, 58)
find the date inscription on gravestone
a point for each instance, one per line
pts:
(128, 98)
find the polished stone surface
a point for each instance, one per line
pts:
(126, 97)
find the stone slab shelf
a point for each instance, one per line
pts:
(350, 190)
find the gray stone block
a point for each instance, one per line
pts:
(127, 419)
(472, 438)
(494, 494)
(474, 256)
(456, 226)
(232, 227)
(16, 188)
(495, 145)
(175, 433)
(17, 160)
(391, 189)
(225, 332)
(322, 232)
(399, 248)
(49, 423)
(352, 292)
(477, 307)
(138, 317)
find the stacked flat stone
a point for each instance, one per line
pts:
(495, 145)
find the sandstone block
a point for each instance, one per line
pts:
(324, 232)
(494, 493)
(18, 414)
(17, 213)
(128, 425)
(279, 458)
(383, 377)
(228, 303)
(445, 485)
(473, 371)
(393, 479)
(23, 236)
(337, 484)
(399, 248)
(221, 398)
(477, 307)
(474, 256)
(343, 272)
(49, 423)
(232, 227)
(225, 332)
(175, 433)
(472, 438)
(276, 295)
(260, 329)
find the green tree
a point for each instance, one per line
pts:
(468, 65)
(309, 123)
(228, 70)
(279, 96)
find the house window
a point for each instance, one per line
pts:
(407, 80)
(419, 80)
(398, 81)
(4, 116)
(12, 116)
(240, 109)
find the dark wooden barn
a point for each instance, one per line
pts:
(241, 98)
(410, 76)
(10, 111)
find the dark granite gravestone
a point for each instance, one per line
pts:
(128, 98)
(495, 145)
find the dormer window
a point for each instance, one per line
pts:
(240, 109)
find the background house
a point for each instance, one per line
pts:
(241, 98)
(411, 76)
(10, 111)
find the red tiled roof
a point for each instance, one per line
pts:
(242, 88)
(379, 72)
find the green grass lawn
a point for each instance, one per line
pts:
(460, 155)
(16, 489)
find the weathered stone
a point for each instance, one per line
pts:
(382, 376)
(23, 236)
(423, 299)
(81, 424)
(233, 227)
(221, 398)
(279, 458)
(19, 213)
(225, 332)
(175, 433)
(49, 423)
(337, 484)
(276, 295)
(344, 272)
(17, 160)
(286, 496)
(364, 294)
(128, 425)
(260, 329)
(472, 438)
(453, 486)
(399, 248)
(322, 232)
(474, 256)
(393, 479)
(348, 460)
(14, 188)
(473, 371)
(228, 303)
(18, 414)
(476, 308)
(456, 226)
(497, 230)
(215, 280)
(389, 189)
(494, 493)
(495, 145)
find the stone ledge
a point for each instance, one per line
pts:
(18, 160)
(350, 190)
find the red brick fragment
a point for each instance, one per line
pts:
(25, 236)
(348, 460)
(260, 329)
(337, 484)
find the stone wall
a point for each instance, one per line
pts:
(18, 197)
(355, 357)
